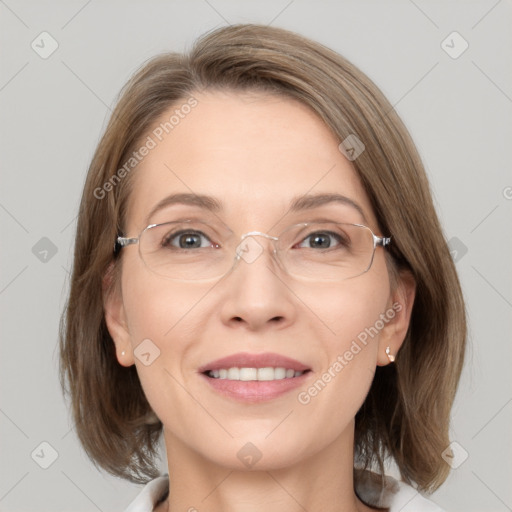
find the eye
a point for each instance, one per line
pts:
(187, 240)
(323, 240)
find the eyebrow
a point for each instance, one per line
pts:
(300, 203)
(309, 202)
(200, 200)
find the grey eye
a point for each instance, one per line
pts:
(187, 240)
(323, 240)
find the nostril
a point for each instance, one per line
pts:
(277, 319)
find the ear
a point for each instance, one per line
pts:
(399, 314)
(115, 318)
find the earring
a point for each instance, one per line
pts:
(123, 353)
(391, 357)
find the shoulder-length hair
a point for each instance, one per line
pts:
(406, 414)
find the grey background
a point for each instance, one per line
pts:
(54, 110)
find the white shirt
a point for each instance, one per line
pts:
(397, 496)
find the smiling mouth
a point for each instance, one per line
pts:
(247, 374)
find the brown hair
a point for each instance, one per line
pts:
(406, 413)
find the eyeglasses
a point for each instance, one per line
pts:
(197, 250)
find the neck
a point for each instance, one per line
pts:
(321, 482)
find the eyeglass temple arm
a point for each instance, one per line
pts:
(381, 240)
(122, 241)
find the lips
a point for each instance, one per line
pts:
(250, 390)
(247, 360)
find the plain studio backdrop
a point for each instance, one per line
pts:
(445, 66)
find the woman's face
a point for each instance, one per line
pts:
(254, 154)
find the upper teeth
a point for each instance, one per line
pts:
(254, 373)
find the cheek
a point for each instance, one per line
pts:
(159, 315)
(349, 310)
(155, 307)
(350, 318)
(163, 321)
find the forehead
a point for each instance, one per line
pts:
(253, 152)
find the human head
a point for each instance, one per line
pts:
(407, 408)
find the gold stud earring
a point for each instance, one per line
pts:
(391, 357)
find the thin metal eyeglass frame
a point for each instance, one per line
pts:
(378, 241)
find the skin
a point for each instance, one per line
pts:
(267, 150)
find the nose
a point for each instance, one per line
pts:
(256, 294)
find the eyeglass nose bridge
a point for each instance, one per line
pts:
(249, 249)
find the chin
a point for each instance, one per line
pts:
(255, 453)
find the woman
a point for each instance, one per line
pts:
(261, 277)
